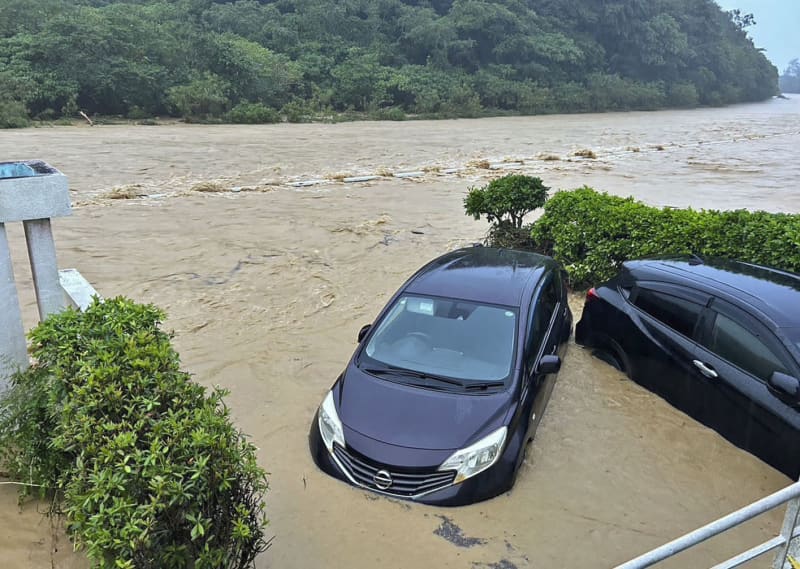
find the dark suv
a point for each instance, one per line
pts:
(718, 339)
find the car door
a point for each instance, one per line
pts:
(666, 318)
(736, 355)
(543, 337)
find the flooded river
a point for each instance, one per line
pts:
(266, 287)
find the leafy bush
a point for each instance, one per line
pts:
(389, 114)
(591, 233)
(252, 113)
(296, 111)
(505, 201)
(612, 92)
(137, 113)
(204, 96)
(683, 95)
(148, 469)
(13, 114)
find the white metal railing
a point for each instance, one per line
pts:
(790, 494)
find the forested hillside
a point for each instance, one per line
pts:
(251, 60)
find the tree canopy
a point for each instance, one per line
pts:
(790, 80)
(205, 58)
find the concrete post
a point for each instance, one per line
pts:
(13, 350)
(31, 192)
(44, 266)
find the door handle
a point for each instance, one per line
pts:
(705, 369)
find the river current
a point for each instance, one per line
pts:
(266, 285)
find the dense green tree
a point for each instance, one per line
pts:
(204, 96)
(360, 80)
(429, 57)
(790, 80)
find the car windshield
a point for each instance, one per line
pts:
(449, 338)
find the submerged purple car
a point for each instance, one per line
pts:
(449, 384)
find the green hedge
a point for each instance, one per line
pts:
(591, 233)
(252, 113)
(147, 467)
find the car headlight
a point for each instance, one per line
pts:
(477, 457)
(330, 427)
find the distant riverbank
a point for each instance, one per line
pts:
(300, 115)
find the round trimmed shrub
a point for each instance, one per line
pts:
(506, 200)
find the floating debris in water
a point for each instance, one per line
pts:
(585, 153)
(480, 164)
(209, 187)
(505, 165)
(502, 564)
(127, 192)
(306, 183)
(455, 535)
(351, 179)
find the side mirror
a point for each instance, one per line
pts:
(785, 385)
(548, 364)
(363, 332)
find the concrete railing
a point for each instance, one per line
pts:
(79, 293)
(33, 192)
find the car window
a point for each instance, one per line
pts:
(794, 336)
(679, 314)
(446, 337)
(736, 344)
(540, 319)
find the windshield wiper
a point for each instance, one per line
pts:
(391, 370)
(481, 385)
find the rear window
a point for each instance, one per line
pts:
(679, 314)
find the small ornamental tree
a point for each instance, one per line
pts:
(506, 200)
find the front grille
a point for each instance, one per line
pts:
(406, 484)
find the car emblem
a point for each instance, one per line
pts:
(382, 479)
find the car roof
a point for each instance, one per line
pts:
(481, 274)
(773, 292)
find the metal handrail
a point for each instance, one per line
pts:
(789, 531)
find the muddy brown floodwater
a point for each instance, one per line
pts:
(267, 286)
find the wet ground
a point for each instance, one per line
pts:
(266, 288)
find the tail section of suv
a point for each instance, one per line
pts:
(718, 339)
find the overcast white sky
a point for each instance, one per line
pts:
(777, 27)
